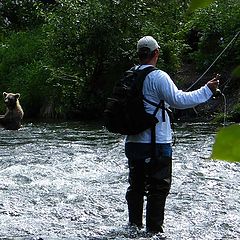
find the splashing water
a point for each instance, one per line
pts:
(68, 181)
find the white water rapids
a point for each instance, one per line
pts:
(68, 181)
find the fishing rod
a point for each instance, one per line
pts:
(232, 42)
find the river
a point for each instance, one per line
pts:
(68, 181)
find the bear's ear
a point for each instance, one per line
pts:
(17, 95)
(4, 94)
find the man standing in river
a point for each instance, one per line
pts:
(153, 179)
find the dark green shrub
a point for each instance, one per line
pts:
(18, 15)
(216, 26)
(19, 56)
(235, 113)
(76, 51)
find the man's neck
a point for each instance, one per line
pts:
(150, 62)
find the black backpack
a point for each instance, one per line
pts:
(125, 112)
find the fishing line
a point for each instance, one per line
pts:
(224, 109)
(232, 42)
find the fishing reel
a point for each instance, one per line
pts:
(217, 93)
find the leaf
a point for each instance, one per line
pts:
(227, 144)
(195, 4)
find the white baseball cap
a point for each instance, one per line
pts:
(147, 42)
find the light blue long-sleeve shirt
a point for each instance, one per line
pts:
(159, 86)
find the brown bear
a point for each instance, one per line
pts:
(11, 120)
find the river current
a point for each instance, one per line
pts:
(68, 181)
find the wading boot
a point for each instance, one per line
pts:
(135, 209)
(155, 213)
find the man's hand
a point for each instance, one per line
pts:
(213, 84)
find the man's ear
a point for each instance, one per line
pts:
(17, 95)
(154, 53)
(4, 94)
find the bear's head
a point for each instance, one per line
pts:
(11, 99)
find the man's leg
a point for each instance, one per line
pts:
(159, 183)
(135, 192)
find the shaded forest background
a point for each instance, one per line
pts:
(64, 56)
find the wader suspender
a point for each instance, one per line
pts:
(153, 129)
(158, 106)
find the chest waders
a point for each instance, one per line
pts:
(158, 173)
(149, 175)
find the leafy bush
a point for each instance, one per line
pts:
(216, 26)
(65, 58)
(19, 56)
(95, 37)
(235, 113)
(18, 15)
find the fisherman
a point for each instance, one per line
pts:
(151, 175)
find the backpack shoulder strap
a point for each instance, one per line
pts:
(141, 75)
(145, 71)
(157, 105)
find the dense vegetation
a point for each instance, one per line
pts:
(64, 56)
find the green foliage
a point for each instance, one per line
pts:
(172, 53)
(64, 58)
(235, 113)
(219, 118)
(232, 116)
(216, 25)
(91, 38)
(18, 15)
(195, 4)
(21, 67)
(20, 48)
(226, 146)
